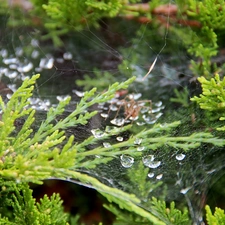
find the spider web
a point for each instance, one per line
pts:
(188, 176)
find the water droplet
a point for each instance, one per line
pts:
(12, 87)
(149, 119)
(159, 177)
(134, 96)
(118, 121)
(151, 175)
(126, 161)
(148, 158)
(140, 148)
(137, 141)
(25, 68)
(137, 96)
(109, 129)
(140, 123)
(180, 156)
(13, 66)
(156, 110)
(62, 97)
(149, 161)
(9, 96)
(12, 75)
(158, 115)
(133, 118)
(59, 60)
(158, 104)
(10, 61)
(104, 115)
(19, 51)
(113, 108)
(97, 133)
(44, 105)
(67, 56)
(34, 43)
(46, 63)
(185, 190)
(145, 109)
(3, 53)
(78, 93)
(106, 144)
(34, 101)
(119, 138)
(154, 164)
(35, 54)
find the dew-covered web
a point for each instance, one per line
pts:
(185, 177)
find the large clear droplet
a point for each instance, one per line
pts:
(126, 161)
(118, 121)
(97, 133)
(180, 156)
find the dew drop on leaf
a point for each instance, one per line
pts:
(180, 156)
(126, 161)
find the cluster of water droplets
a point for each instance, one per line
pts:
(131, 110)
(148, 160)
(17, 65)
